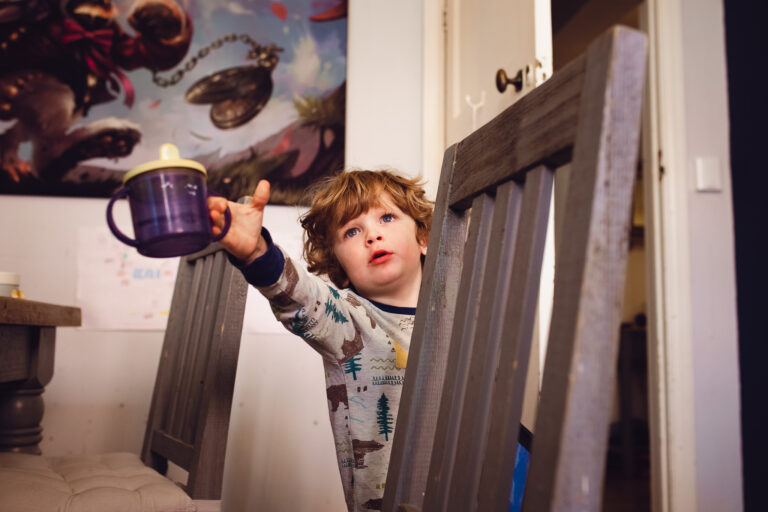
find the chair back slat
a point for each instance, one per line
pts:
(482, 358)
(186, 368)
(465, 323)
(504, 386)
(579, 373)
(189, 416)
(206, 341)
(456, 436)
(437, 305)
(462, 366)
(508, 310)
(185, 328)
(216, 403)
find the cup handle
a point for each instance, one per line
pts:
(227, 218)
(227, 223)
(123, 192)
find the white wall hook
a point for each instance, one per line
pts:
(475, 107)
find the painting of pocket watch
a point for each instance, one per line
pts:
(275, 113)
(236, 94)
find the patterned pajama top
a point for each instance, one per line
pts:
(364, 346)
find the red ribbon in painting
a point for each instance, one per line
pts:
(98, 54)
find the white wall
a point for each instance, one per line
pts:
(384, 85)
(696, 361)
(713, 325)
(394, 87)
(280, 453)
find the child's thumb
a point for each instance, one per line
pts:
(261, 195)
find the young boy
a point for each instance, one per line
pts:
(367, 231)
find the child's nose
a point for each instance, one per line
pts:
(374, 238)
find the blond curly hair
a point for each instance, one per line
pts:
(343, 197)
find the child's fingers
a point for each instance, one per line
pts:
(216, 229)
(218, 204)
(261, 195)
(216, 208)
(217, 221)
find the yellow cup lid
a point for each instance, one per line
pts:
(169, 157)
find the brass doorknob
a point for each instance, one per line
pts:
(502, 80)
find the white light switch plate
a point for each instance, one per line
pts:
(708, 174)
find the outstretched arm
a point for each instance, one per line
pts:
(243, 240)
(306, 305)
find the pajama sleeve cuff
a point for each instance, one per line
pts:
(267, 268)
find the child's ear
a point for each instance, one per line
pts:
(423, 242)
(423, 248)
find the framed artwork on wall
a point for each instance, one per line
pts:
(251, 89)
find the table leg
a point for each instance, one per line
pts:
(21, 401)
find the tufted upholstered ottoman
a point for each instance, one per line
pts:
(115, 482)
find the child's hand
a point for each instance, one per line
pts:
(243, 240)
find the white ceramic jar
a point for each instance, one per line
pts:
(9, 281)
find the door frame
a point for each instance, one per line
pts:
(433, 93)
(668, 454)
(686, 444)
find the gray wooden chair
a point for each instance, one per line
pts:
(457, 429)
(188, 418)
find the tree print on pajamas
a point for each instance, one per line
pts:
(383, 417)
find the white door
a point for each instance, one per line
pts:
(483, 37)
(506, 41)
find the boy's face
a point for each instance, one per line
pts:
(379, 251)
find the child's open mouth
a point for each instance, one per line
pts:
(380, 257)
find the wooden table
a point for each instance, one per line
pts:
(27, 343)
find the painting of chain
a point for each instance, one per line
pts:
(252, 89)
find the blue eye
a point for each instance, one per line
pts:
(387, 217)
(351, 232)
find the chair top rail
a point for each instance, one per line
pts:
(538, 129)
